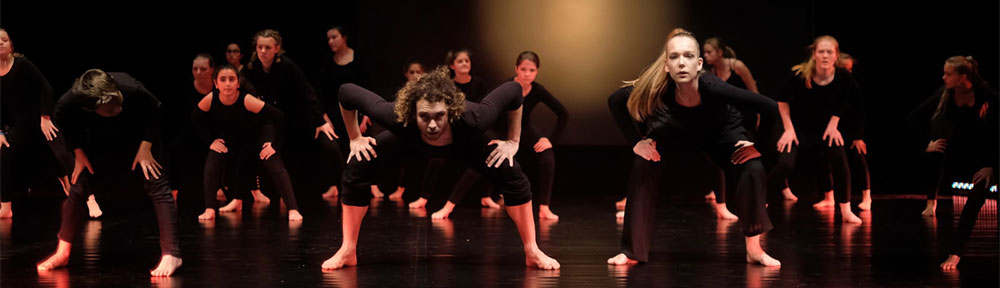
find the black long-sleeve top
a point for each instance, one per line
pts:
(287, 88)
(27, 95)
(477, 116)
(539, 94)
(811, 109)
(139, 119)
(967, 131)
(236, 125)
(474, 90)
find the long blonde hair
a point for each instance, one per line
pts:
(645, 97)
(807, 69)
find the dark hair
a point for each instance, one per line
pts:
(211, 61)
(529, 56)
(410, 62)
(98, 88)
(435, 86)
(226, 66)
(340, 29)
(449, 58)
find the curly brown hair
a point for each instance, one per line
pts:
(435, 86)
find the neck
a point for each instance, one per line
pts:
(444, 140)
(203, 86)
(687, 94)
(267, 65)
(227, 99)
(525, 86)
(463, 78)
(825, 73)
(7, 59)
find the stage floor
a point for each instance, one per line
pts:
(479, 247)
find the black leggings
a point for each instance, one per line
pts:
(74, 209)
(544, 176)
(220, 167)
(469, 149)
(833, 163)
(748, 179)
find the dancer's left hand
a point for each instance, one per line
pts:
(144, 158)
(745, 151)
(48, 129)
(267, 151)
(983, 175)
(365, 124)
(860, 146)
(542, 145)
(832, 136)
(506, 149)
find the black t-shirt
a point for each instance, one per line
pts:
(811, 109)
(26, 94)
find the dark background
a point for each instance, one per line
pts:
(900, 47)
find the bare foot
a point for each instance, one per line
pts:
(951, 263)
(620, 205)
(95, 210)
(866, 200)
(620, 215)
(340, 260)
(789, 196)
(762, 259)
(419, 203)
(235, 205)
(826, 202)
(621, 259)
(5, 211)
(710, 196)
(168, 263)
(57, 260)
(539, 260)
(376, 192)
(443, 213)
(331, 192)
(398, 194)
(259, 197)
(931, 208)
(722, 212)
(488, 202)
(847, 215)
(209, 214)
(294, 215)
(545, 213)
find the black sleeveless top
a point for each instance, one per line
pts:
(234, 123)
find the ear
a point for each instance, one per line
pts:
(701, 61)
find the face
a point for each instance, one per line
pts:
(267, 48)
(414, 72)
(682, 61)
(234, 54)
(825, 54)
(201, 70)
(227, 82)
(336, 40)
(712, 55)
(432, 119)
(462, 64)
(6, 48)
(952, 79)
(526, 71)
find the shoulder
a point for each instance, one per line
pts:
(740, 67)
(206, 102)
(253, 104)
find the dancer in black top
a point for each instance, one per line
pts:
(959, 122)
(446, 126)
(106, 116)
(811, 105)
(474, 88)
(185, 154)
(397, 173)
(234, 56)
(341, 68)
(684, 110)
(853, 125)
(27, 105)
(234, 124)
(279, 82)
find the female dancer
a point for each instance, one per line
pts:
(685, 110)
(233, 121)
(234, 56)
(959, 123)
(811, 105)
(339, 69)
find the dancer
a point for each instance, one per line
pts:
(341, 68)
(446, 126)
(684, 111)
(234, 56)
(853, 125)
(106, 116)
(811, 105)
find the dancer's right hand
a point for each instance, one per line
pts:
(646, 148)
(219, 146)
(81, 162)
(3, 141)
(937, 146)
(362, 146)
(787, 139)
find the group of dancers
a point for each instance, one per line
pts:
(238, 118)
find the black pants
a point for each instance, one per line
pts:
(750, 194)
(29, 162)
(832, 162)
(74, 209)
(468, 148)
(231, 168)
